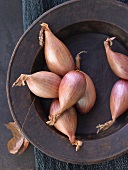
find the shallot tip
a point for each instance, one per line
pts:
(20, 81)
(109, 40)
(45, 26)
(81, 53)
(78, 59)
(52, 120)
(78, 144)
(105, 126)
(112, 38)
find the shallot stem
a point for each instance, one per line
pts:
(41, 37)
(78, 144)
(105, 126)
(53, 119)
(44, 27)
(20, 81)
(109, 41)
(78, 59)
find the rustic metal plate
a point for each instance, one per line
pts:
(81, 25)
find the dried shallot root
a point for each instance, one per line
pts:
(88, 99)
(117, 61)
(58, 58)
(66, 123)
(43, 84)
(71, 89)
(17, 141)
(118, 103)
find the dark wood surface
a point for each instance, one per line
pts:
(81, 30)
(11, 28)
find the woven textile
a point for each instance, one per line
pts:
(32, 9)
(44, 162)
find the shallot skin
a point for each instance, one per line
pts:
(118, 103)
(119, 98)
(117, 61)
(66, 123)
(58, 58)
(71, 89)
(43, 84)
(87, 101)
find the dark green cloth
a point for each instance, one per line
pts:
(31, 10)
(44, 162)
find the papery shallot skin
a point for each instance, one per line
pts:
(71, 89)
(87, 101)
(117, 61)
(43, 83)
(58, 58)
(119, 98)
(67, 122)
(118, 103)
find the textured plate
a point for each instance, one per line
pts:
(81, 25)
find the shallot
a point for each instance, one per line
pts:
(118, 103)
(87, 101)
(117, 61)
(43, 84)
(58, 58)
(66, 123)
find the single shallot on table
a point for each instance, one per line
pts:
(118, 103)
(66, 123)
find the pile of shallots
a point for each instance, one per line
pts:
(62, 81)
(61, 84)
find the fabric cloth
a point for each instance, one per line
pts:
(32, 9)
(44, 162)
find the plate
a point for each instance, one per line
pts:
(81, 25)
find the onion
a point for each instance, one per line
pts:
(71, 89)
(117, 61)
(43, 84)
(118, 103)
(58, 58)
(87, 101)
(66, 123)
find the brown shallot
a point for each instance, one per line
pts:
(87, 101)
(43, 84)
(118, 103)
(72, 87)
(117, 61)
(66, 123)
(58, 58)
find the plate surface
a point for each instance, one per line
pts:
(81, 25)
